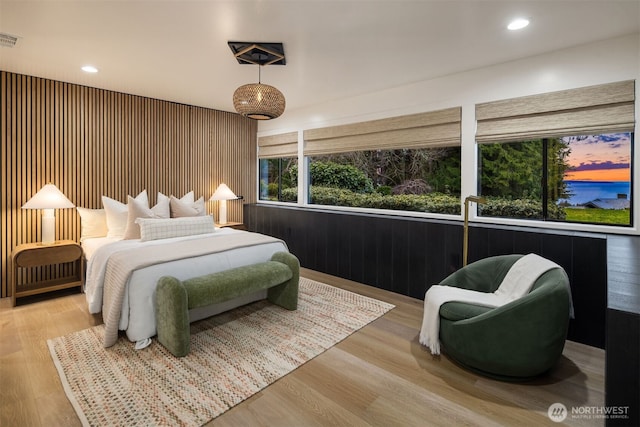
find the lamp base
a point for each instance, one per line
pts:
(48, 227)
(222, 215)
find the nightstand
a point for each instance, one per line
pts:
(36, 255)
(234, 225)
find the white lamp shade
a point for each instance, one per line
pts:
(223, 193)
(49, 197)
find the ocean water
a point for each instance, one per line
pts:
(586, 191)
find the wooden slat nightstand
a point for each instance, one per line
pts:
(36, 255)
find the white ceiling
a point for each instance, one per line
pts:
(177, 50)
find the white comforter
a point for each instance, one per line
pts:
(138, 317)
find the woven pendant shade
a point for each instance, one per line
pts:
(258, 101)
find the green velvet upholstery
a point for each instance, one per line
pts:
(286, 294)
(172, 315)
(174, 298)
(516, 341)
(231, 284)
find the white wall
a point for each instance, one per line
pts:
(596, 63)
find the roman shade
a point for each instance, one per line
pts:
(423, 130)
(276, 146)
(590, 110)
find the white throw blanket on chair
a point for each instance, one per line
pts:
(517, 283)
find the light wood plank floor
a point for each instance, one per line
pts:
(379, 376)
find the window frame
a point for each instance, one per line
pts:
(544, 185)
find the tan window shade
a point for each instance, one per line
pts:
(585, 111)
(274, 146)
(433, 129)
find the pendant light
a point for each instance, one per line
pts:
(257, 100)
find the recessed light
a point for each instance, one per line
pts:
(518, 24)
(89, 69)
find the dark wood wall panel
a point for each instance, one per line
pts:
(91, 142)
(408, 255)
(622, 375)
(622, 371)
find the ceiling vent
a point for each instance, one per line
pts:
(258, 53)
(7, 40)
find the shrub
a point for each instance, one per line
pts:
(519, 208)
(289, 195)
(412, 186)
(384, 189)
(272, 190)
(434, 203)
(335, 175)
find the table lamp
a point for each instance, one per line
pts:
(222, 194)
(48, 199)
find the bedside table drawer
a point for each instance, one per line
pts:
(45, 255)
(31, 255)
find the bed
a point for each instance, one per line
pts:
(136, 314)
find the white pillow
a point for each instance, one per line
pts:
(187, 198)
(117, 214)
(137, 209)
(93, 223)
(180, 209)
(162, 208)
(154, 229)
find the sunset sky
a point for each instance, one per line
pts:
(599, 158)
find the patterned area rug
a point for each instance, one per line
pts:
(233, 355)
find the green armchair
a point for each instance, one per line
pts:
(516, 341)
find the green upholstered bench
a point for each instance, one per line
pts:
(174, 298)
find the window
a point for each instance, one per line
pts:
(278, 167)
(585, 179)
(409, 163)
(598, 180)
(278, 179)
(423, 180)
(511, 179)
(571, 159)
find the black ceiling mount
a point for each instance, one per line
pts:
(258, 53)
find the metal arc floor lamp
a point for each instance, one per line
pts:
(465, 242)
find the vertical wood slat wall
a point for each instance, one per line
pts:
(92, 142)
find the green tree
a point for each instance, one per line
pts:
(512, 170)
(441, 170)
(557, 154)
